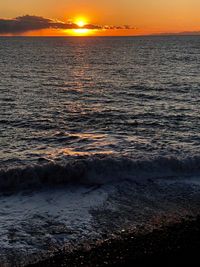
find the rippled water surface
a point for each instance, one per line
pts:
(72, 97)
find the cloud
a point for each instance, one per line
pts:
(27, 23)
(124, 27)
(23, 24)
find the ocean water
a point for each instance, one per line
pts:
(95, 112)
(85, 96)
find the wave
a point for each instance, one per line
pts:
(96, 170)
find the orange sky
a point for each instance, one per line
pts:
(147, 16)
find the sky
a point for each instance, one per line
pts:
(104, 17)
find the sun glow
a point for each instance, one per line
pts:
(81, 22)
(82, 29)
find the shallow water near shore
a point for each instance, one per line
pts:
(97, 135)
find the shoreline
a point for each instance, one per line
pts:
(177, 244)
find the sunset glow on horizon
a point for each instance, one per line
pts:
(81, 22)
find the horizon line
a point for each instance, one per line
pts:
(114, 36)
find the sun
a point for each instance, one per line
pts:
(81, 22)
(82, 27)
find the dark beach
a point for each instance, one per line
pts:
(177, 244)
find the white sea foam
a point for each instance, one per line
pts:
(35, 225)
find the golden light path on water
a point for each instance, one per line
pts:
(101, 141)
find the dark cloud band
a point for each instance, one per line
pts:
(27, 23)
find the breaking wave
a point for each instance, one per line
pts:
(96, 170)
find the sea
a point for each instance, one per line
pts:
(97, 134)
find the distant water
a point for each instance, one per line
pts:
(111, 100)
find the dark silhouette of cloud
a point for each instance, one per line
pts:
(124, 27)
(23, 24)
(27, 23)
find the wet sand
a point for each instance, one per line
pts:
(177, 244)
